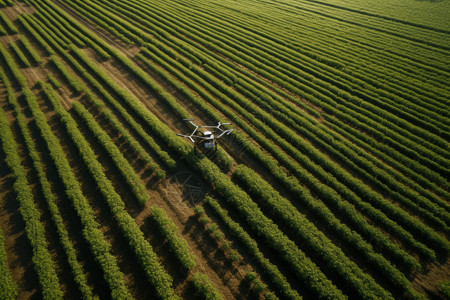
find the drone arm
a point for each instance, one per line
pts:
(227, 132)
(188, 136)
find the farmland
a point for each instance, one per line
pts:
(334, 183)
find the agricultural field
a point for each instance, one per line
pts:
(333, 184)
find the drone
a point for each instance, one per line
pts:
(206, 138)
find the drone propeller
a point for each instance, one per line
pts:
(192, 135)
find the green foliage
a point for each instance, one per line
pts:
(31, 51)
(444, 288)
(53, 81)
(317, 242)
(9, 25)
(125, 95)
(177, 243)
(408, 261)
(134, 182)
(77, 269)
(276, 277)
(84, 35)
(99, 246)
(29, 26)
(35, 231)
(205, 289)
(156, 274)
(258, 286)
(8, 288)
(69, 76)
(20, 55)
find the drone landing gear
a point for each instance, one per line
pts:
(205, 146)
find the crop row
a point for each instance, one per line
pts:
(220, 48)
(178, 244)
(150, 83)
(30, 50)
(310, 66)
(366, 169)
(128, 173)
(168, 161)
(77, 269)
(61, 31)
(4, 3)
(8, 288)
(142, 249)
(289, 254)
(22, 58)
(207, 63)
(358, 39)
(291, 39)
(204, 288)
(316, 132)
(313, 153)
(124, 220)
(217, 234)
(22, 19)
(264, 159)
(9, 25)
(79, 86)
(35, 231)
(99, 246)
(127, 136)
(314, 240)
(399, 164)
(129, 99)
(403, 189)
(276, 277)
(258, 286)
(62, 19)
(222, 71)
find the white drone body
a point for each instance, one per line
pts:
(206, 137)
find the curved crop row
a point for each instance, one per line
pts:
(184, 47)
(276, 51)
(133, 103)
